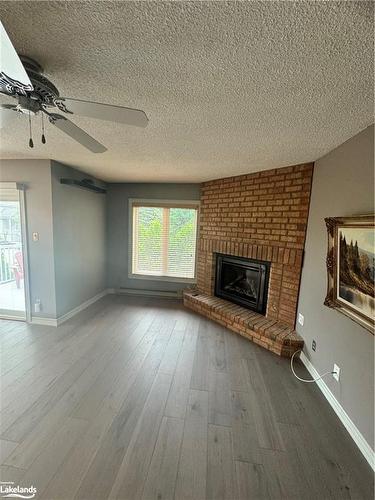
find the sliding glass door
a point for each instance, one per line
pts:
(12, 253)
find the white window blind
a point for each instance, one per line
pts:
(164, 240)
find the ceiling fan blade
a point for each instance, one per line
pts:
(8, 114)
(119, 114)
(8, 106)
(12, 72)
(76, 133)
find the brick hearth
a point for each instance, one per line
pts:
(260, 216)
(271, 334)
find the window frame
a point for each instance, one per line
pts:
(195, 204)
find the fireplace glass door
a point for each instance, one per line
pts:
(242, 281)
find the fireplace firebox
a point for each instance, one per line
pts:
(242, 281)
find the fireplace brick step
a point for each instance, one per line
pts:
(273, 335)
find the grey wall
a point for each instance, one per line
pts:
(118, 226)
(79, 233)
(36, 175)
(343, 185)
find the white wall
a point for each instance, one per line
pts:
(36, 175)
(343, 185)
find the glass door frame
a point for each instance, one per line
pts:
(25, 256)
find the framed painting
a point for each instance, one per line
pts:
(351, 268)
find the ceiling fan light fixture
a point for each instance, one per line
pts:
(22, 78)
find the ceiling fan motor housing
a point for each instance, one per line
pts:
(44, 93)
(44, 90)
(28, 105)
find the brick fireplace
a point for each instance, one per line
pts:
(242, 281)
(260, 216)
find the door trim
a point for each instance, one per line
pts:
(20, 188)
(26, 280)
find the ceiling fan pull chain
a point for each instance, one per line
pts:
(43, 136)
(31, 143)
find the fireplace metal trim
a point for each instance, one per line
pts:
(260, 265)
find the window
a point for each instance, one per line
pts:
(164, 239)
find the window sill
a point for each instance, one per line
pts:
(171, 279)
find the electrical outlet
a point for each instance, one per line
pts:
(37, 306)
(313, 345)
(336, 375)
(301, 319)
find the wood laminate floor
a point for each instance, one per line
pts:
(142, 399)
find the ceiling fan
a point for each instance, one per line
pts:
(21, 78)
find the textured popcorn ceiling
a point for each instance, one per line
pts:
(229, 87)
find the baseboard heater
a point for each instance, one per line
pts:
(87, 184)
(150, 293)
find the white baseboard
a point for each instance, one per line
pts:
(148, 293)
(353, 430)
(82, 306)
(37, 320)
(11, 317)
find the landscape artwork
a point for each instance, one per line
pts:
(357, 268)
(351, 268)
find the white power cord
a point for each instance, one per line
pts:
(303, 379)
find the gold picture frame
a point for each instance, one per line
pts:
(351, 268)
